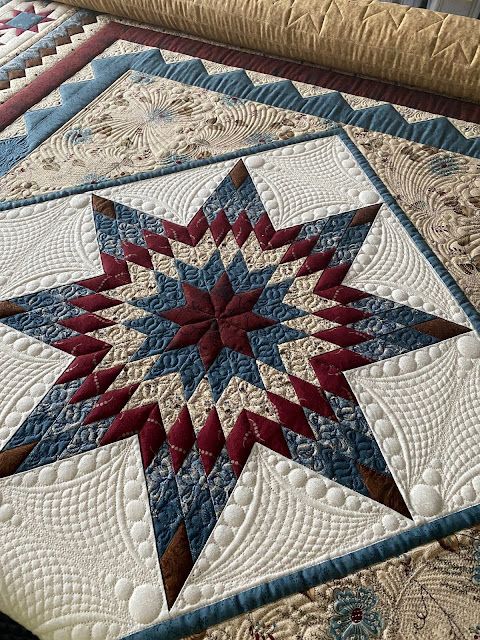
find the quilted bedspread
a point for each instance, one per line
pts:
(239, 350)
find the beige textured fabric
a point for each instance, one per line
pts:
(431, 593)
(414, 47)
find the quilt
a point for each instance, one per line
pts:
(239, 350)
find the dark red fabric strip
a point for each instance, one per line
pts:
(374, 89)
(26, 98)
(30, 95)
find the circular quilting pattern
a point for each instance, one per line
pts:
(468, 346)
(426, 500)
(242, 496)
(145, 603)
(123, 589)
(192, 594)
(297, 477)
(80, 200)
(223, 535)
(336, 496)
(316, 488)
(81, 632)
(254, 162)
(6, 512)
(368, 197)
(234, 515)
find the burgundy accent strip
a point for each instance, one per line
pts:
(291, 415)
(210, 440)
(66, 68)
(83, 365)
(136, 254)
(144, 421)
(250, 428)
(374, 89)
(181, 438)
(86, 322)
(47, 82)
(343, 336)
(96, 383)
(111, 403)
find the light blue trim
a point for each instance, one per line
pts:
(301, 580)
(19, 61)
(282, 95)
(55, 195)
(332, 106)
(42, 123)
(336, 568)
(416, 236)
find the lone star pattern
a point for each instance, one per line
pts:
(216, 319)
(208, 338)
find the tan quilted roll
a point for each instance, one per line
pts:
(413, 47)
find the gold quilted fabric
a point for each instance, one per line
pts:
(413, 47)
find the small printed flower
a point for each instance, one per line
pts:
(259, 632)
(159, 116)
(229, 101)
(93, 178)
(50, 164)
(476, 568)
(259, 138)
(139, 78)
(355, 617)
(475, 631)
(78, 136)
(443, 165)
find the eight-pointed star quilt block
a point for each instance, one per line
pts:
(256, 345)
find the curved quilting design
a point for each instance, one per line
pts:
(29, 368)
(81, 531)
(424, 409)
(47, 245)
(281, 518)
(310, 181)
(176, 197)
(389, 264)
(438, 192)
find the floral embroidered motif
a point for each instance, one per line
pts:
(78, 136)
(355, 615)
(424, 594)
(142, 123)
(440, 194)
(207, 338)
(444, 165)
(476, 568)
(475, 631)
(261, 632)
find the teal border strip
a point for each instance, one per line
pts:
(200, 619)
(282, 94)
(192, 164)
(416, 236)
(335, 568)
